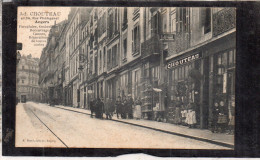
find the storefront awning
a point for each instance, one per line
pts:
(157, 89)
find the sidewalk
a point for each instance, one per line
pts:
(199, 134)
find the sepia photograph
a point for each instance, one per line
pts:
(126, 77)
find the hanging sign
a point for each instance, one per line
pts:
(167, 37)
(184, 60)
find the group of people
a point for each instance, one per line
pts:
(124, 107)
(185, 115)
(221, 120)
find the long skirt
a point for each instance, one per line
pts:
(137, 112)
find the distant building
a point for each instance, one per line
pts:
(27, 79)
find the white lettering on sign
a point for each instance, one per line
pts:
(183, 60)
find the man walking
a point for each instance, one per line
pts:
(99, 109)
(118, 106)
(92, 107)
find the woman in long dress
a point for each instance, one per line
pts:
(137, 110)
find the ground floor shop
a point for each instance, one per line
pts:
(200, 82)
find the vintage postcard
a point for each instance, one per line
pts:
(126, 77)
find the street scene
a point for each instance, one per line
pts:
(64, 127)
(126, 77)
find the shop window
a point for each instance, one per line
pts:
(231, 58)
(136, 81)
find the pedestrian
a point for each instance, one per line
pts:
(231, 122)
(191, 116)
(112, 108)
(124, 108)
(130, 103)
(137, 111)
(107, 108)
(222, 117)
(92, 107)
(216, 111)
(118, 106)
(99, 108)
(178, 116)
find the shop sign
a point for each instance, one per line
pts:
(184, 60)
(167, 37)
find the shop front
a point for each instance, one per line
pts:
(222, 81)
(151, 91)
(200, 80)
(110, 87)
(184, 89)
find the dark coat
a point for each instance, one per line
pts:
(100, 107)
(118, 106)
(124, 106)
(130, 103)
(92, 105)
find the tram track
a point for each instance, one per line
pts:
(49, 129)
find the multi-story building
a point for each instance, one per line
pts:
(51, 63)
(171, 58)
(27, 79)
(77, 18)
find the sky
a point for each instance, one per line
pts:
(36, 16)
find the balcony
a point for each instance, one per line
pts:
(150, 46)
(224, 21)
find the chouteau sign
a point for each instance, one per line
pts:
(184, 60)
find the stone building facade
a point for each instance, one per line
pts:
(165, 56)
(27, 79)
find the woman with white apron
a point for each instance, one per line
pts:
(137, 109)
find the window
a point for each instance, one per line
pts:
(100, 59)
(182, 19)
(109, 59)
(22, 67)
(155, 20)
(125, 48)
(125, 17)
(110, 25)
(104, 57)
(114, 56)
(135, 40)
(22, 81)
(206, 19)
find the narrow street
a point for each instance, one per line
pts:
(40, 125)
